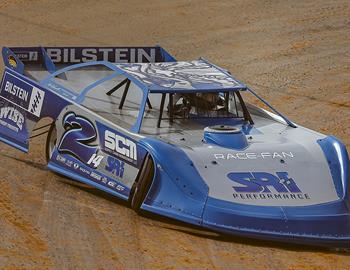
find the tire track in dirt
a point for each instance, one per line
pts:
(52, 28)
(271, 43)
(33, 246)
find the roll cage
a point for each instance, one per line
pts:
(165, 77)
(156, 87)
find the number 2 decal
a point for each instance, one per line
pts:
(76, 140)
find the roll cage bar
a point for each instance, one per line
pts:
(130, 78)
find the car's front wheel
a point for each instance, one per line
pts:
(143, 183)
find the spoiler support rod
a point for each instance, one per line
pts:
(126, 89)
(161, 109)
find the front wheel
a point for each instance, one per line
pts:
(142, 184)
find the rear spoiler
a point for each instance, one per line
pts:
(17, 58)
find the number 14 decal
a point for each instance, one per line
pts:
(95, 160)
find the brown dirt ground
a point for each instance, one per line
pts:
(294, 53)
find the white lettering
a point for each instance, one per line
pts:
(251, 155)
(95, 160)
(109, 140)
(290, 154)
(120, 145)
(16, 91)
(89, 55)
(65, 55)
(105, 53)
(73, 59)
(54, 54)
(276, 155)
(119, 54)
(149, 57)
(12, 114)
(263, 155)
(219, 156)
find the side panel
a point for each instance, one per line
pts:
(177, 190)
(93, 151)
(88, 148)
(22, 104)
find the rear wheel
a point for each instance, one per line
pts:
(50, 142)
(142, 184)
(50, 147)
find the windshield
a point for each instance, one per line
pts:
(203, 105)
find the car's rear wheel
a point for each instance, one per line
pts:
(142, 183)
(50, 142)
(50, 147)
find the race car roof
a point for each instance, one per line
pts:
(186, 76)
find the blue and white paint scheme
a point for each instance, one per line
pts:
(220, 162)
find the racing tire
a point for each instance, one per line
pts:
(50, 145)
(142, 184)
(50, 142)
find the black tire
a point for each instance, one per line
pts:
(142, 184)
(50, 142)
(51, 139)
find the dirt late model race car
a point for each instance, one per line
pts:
(178, 139)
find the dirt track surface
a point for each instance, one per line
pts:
(294, 53)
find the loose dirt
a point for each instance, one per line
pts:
(296, 54)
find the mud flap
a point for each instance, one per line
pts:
(23, 103)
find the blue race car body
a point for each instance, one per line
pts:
(177, 139)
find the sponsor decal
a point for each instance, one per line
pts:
(36, 101)
(11, 118)
(118, 55)
(95, 160)
(77, 139)
(95, 176)
(261, 155)
(22, 94)
(12, 61)
(118, 145)
(115, 166)
(16, 91)
(263, 185)
(62, 91)
(61, 158)
(27, 55)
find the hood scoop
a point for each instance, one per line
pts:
(226, 136)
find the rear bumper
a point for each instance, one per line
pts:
(321, 225)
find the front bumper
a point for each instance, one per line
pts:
(321, 225)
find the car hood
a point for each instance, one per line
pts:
(288, 169)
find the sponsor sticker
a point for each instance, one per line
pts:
(80, 168)
(265, 186)
(118, 55)
(251, 155)
(22, 94)
(11, 118)
(115, 166)
(117, 144)
(12, 61)
(27, 55)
